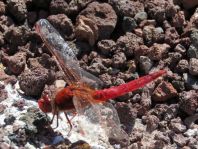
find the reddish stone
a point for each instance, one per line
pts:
(63, 24)
(158, 51)
(103, 15)
(15, 63)
(164, 91)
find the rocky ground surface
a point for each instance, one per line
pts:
(117, 41)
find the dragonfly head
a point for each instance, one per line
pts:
(45, 104)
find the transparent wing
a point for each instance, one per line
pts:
(64, 54)
(103, 114)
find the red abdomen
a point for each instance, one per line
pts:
(63, 99)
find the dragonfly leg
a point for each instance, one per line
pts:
(55, 114)
(57, 119)
(68, 120)
(74, 113)
(52, 118)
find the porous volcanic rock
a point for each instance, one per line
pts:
(33, 82)
(164, 91)
(63, 24)
(188, 101)
(104, 17)
(16, 63)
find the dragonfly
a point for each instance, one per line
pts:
(80, 95)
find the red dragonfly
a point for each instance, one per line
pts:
(79, 95)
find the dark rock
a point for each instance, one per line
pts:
(9, 120)
(158, 51)
(18, 36)
(160, 10)
(16, 63)
(32, 16)
(18, 9)
(97, 68)
(104, 17)
(119, 59)
(33, 82)
(171, 112)
(5, 23)
(190, 123)
(43, 14)
(35, 120)
(193, 66)
(173, 59)
(171, 36)
(164, 91)
(19, 137)
(182, 66)
(145, 64)
(180, 49)
(76, 6)
(106, 46)
(126, 7)
(191, 81)
(131, 66)
(152, 34)
(188, 101)
(187, 4)
(41, 3)
(178, 85)
(128, 24)
(128, 43)
(80, 145)
(106, 78)
(59, 7)
(193, 50)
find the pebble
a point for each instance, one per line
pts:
(9, 120)
(193, 49)
(164, 91)
(140, 16)
(128, 24)
(145, 64)
(191, 81)
(193, 66)
(182, 66)
(188, 101)
(180, 140)
(192, 52)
